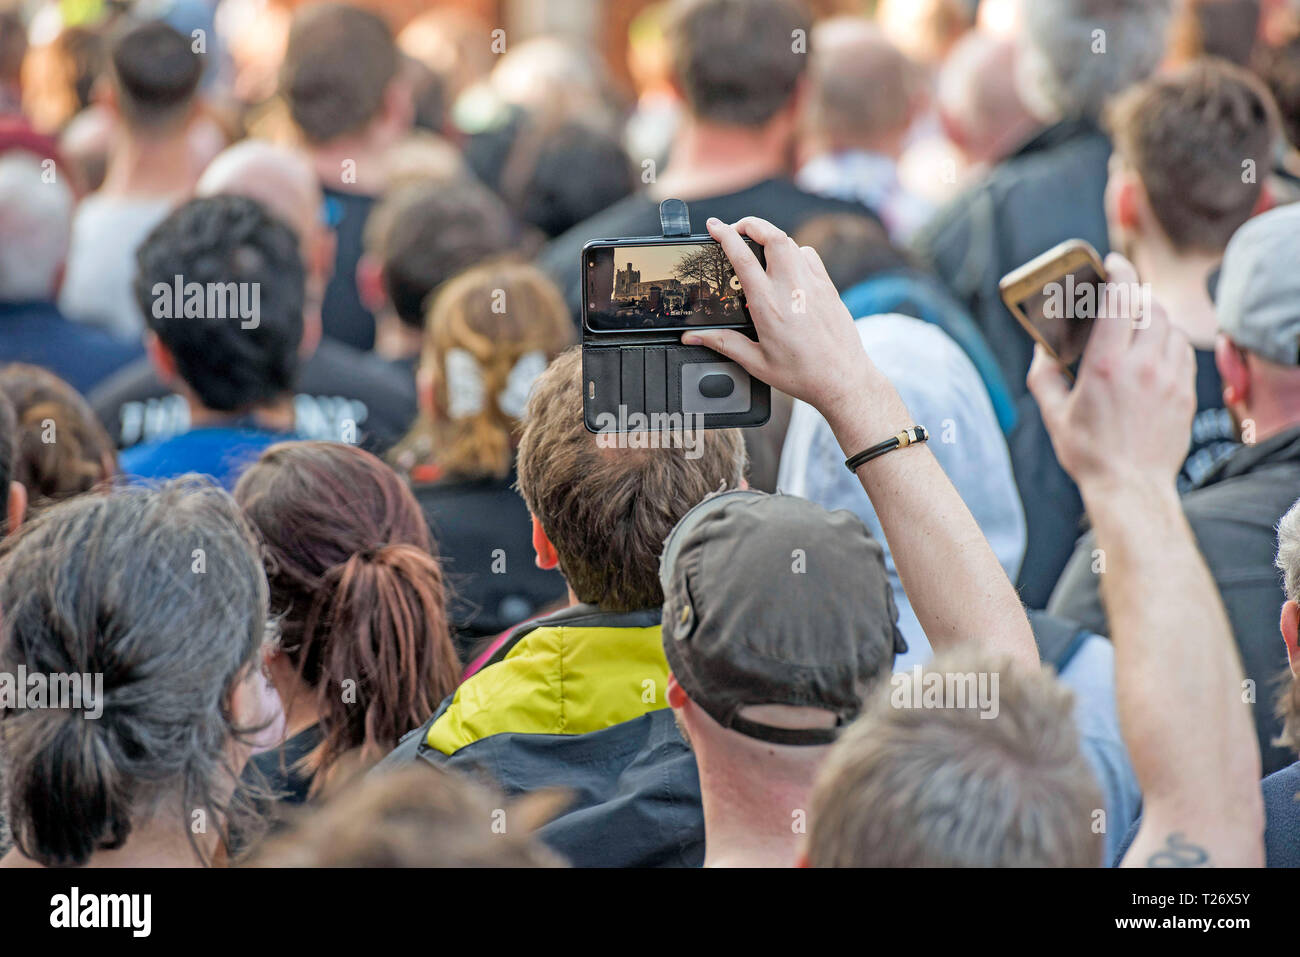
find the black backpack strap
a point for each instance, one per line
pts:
(1059, 639)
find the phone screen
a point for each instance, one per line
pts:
(662, 286)
(1063, 312)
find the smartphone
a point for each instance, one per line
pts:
(669, 284)
(1056, 297)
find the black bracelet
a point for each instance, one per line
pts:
(902, 440)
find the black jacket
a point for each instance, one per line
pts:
(1234, 514)
(1052, 189)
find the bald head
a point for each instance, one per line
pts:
(279, 178)
(850, 55)
(979, 99)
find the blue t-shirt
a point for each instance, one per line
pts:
(221, 452)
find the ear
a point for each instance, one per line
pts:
(547, 557)
(254, 703)
(104, 94)
(321, 252)
(17, 507)
(1290, 626)
(370, 283)
(676, 696)
(399, 103)
(424, 392)
(311, 331)
(1128, 202)
(162, 360)
(1233, 371)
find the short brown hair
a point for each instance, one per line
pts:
(417, 816)
(852, 56)
(1186, 135)
(948, 787)
(607, 511)
(337, 67)
(156, 74)
(423, 233)
(737, 61)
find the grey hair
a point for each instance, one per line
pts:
(1065, 68)
(1288, 552)
(35, 227)
(161, 591)
(910, 786)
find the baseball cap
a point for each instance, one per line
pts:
(1257, 293)
(772, 600)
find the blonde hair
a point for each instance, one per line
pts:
(498, 312)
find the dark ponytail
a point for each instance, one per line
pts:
(358, 591)
(380, 622)
(104, 588)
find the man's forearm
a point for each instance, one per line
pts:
(1190, 725)
(957, 587)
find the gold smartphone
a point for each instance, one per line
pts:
(1056, 297)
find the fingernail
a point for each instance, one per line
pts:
(714, 221)
(691, 339)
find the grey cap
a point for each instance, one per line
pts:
(772, 600)
(1258, 290)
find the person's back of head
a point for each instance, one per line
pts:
(561, 175)
(418, 816)
(278, 177)
(62, 449)
(155, 74)
(738, 62)
(1257, 305)
(1218, 28)
(492, 330)
(337, 70)
(967, 763)
(1076, 54)
(423, 233)
(606, 510)
(1190, 139)
(852, 248)
(169, 621)
(220, 282)
(978, 100)
(358, 590)
(35, 228)
(851, 55)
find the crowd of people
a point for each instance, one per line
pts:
(297, 486)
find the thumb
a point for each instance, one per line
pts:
(735, 346)
(1048, 387)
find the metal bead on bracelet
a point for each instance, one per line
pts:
(916, 434)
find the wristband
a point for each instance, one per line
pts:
(913, 436)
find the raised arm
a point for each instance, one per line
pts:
(809, 348)
(1122, 433)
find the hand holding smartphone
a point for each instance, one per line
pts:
(639, 295)
(1057, 297)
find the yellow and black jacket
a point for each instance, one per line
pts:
(576, 700)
